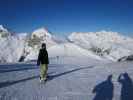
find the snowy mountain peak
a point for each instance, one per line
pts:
(105, 43)
(4, 32)
(108, 33)
(39, 36)
(105, 36)
(41, 32)
(3, 29)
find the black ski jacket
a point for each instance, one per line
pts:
(43, 57)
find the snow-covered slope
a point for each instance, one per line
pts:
(109, 44)
(65, 50)
(97, 45)
(11, 46)
(11, 49)
(3, 29)
(4, 32)
(70, 50)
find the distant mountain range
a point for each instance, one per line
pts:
(98, 45)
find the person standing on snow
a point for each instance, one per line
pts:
(43, 62)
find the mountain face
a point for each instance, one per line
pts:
(3, 32)
(103, 43)
(2, 29)
(39, 36)
(98, 38)
(98, 45)
(22, 44)
(10, 46)
(34, 41)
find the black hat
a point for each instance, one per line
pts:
(43, 45)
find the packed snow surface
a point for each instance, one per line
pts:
(70, 78)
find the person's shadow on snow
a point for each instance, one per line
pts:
(104, 90)
(127, 87)
(51, 77)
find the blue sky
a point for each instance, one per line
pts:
(65, 16)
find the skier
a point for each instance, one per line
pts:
(43, 62)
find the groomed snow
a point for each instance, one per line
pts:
(72, 50)
(68, 81)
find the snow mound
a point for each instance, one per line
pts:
(69, 49)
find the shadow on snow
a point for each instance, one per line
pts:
(104, 90)
(16, 67)
(51, 77)
(127, 87)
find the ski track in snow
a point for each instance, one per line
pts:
(68, 81)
